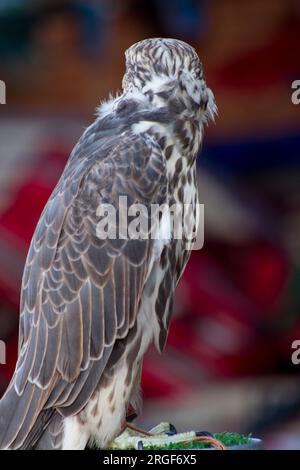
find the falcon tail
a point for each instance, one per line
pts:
(18, 417)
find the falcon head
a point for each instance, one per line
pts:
(166, 69)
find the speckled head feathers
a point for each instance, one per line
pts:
(159, 57)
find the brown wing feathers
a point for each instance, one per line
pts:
(80, 294)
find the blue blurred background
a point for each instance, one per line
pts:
(228, 363)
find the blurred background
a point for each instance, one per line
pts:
(227, 365)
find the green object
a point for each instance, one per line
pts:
(229, 439)
(161, 438)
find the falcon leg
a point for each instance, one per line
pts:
(76, 435)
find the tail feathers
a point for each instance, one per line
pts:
(47, 432)
(18, 414)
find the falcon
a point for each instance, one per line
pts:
(90, 305)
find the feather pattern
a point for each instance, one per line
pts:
(89, 305)
(80, 294)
